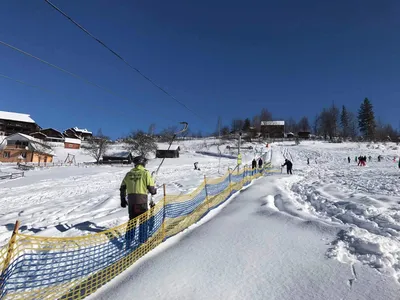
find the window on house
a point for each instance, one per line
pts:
(23, 154)
(6, 154)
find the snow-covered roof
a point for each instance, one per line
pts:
(21, 136)
(82, 130)
(72, 141)
(124, 154)
(165, 147)
(12, 116)
(272, 123)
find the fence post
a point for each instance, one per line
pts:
(164, 204)
(230, 181)
(205, 187)
(10, 249)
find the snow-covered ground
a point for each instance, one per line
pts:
(72, 200)
(330, 231)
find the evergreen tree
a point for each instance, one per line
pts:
(246, 125)
(366, 119)
(344, 122)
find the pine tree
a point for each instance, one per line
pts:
(246, 125)
(366, 119)
(344, 122)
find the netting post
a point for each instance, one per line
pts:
(164, 204)
(10, 248)
(205, 187)
(244, 174)
(230, 181)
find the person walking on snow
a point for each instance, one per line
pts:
(254, 164)
(137, 183)
(288, 165)
(260, 163)
(308, 161)
(348, 159)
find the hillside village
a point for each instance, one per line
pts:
(23, 140)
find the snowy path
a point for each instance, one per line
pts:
(253, 249)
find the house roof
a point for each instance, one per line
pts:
(124, 154)
(55, 130)
(272, 123)
(82, 130)
(165, 147)
(35, 144)
(12, 116)
(72, 141)
(38, 132)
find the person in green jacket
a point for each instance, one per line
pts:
(136, 184)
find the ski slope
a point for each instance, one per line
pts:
(71, 201)
(330, 231)
(250, 250)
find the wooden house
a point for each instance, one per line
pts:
(24, 148)
(72, 143)
(273, 129)
(163, 152)
(11, 123)
(123, 157)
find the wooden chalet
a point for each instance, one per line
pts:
(163, 152)
(123, 157)
(24, 148)
(273, 129)
(11, 123)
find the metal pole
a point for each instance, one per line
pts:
(164, 203)
(205, 188)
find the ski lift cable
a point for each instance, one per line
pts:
(49, 91)
(122, 59)
(87, 81)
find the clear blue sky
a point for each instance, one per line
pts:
(227, 58)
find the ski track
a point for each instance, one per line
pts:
(363, 202)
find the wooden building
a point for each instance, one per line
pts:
(49, 135)
(163, 152)
(305, 135)
(273, 129)
(72, 143)
(77, 133)
(11, 123)
(24, 148)
(124, 157)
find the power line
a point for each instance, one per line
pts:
(54, 93)
(120, 57)
(87, 81)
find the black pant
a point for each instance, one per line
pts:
(289, 170)
(136, 210)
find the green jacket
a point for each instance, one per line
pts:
(137, 183)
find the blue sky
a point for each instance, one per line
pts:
(221, 58)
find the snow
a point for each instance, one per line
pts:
(330, 231)
(12, 116)
(272, 123)
(72, 141)
(82, 130)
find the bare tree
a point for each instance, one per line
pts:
(256, 123)
(304, 125)
(265, 115)
(140, 143)
(152, 129)
(97, 145)
(237, 124)
(167, 134)
(291, 126)
(219, 126)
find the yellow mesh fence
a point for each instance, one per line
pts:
(34, 267)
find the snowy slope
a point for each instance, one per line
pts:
(73, 200)
(250, 250)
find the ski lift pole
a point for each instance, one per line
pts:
(185, 127)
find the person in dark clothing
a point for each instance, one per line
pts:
(260, 163)
(348, 159)
(288, 165)
(254, 164)
(379, 158)
(308, 161)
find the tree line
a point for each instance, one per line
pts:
(330, 123)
